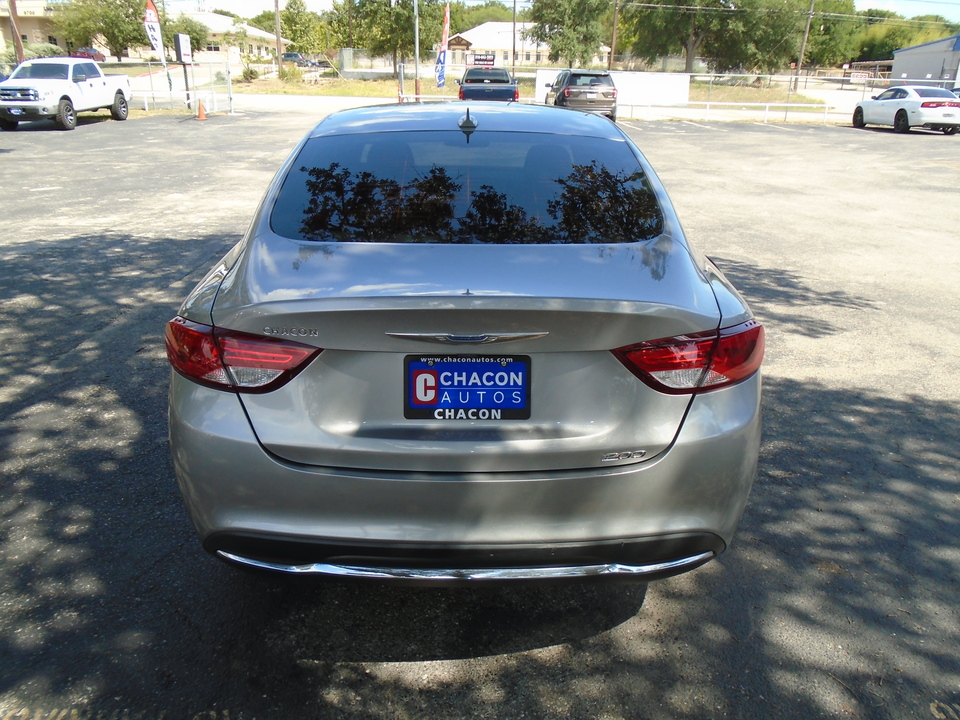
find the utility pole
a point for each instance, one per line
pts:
(15, 30)
(514, 59)
(803, 45)
(416, 49)
(276, 27)
(613, 42)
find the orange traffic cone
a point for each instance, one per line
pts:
(201, 115)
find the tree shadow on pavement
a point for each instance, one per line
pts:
(837, 598)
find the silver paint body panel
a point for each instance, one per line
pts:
(331, 457)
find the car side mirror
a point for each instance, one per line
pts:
(457, 82)
(79, 78)
(873, 97)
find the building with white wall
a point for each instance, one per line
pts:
(507, 42)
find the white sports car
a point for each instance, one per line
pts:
(911, 106)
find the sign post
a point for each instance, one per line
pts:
(440, 70)
(185, 57)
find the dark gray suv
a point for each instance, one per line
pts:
(590, 90)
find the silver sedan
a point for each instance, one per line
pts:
(911, 106)
(465, 342)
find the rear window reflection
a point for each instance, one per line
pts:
(415, 187)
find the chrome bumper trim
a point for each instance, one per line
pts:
(520, 573)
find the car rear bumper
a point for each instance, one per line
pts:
(648, 570)
(646, 520)
(598, 109)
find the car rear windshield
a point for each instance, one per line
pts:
(588, 80)
(935, 93)
(486, 76)
(436, 187)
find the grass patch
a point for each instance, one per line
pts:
(745, 93)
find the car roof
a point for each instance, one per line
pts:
(488, 116)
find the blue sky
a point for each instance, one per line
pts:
(912, 8)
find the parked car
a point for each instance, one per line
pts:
(591, 90)
(89, 53)
(911, 106)
(488, 83)
(464, 345)
(296, 58)
(59, 88)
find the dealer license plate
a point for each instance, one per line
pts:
(467, 387)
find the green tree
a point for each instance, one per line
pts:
(882, 32)
(384, 29)
(265, 21)
(572, 28)
(465, 17)
(759, 36)
(117, 23)
(301, 27)
(183, 25)
(673, 26)
(747, 35)
(832, 33)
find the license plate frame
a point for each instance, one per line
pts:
(467, 387)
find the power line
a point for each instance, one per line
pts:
(863, 18)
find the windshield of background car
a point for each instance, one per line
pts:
(436, 187)
(41, 70)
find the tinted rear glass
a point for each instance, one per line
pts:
(434, 187)
(479, 76)
(588, 80)
(934, 92)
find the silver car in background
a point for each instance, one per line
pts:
(465, 342)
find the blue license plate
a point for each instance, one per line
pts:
(466, 387)
(16, 111)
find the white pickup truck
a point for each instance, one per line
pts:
(59, 88)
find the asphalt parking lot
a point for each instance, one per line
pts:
(838, 599)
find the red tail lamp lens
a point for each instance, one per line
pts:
(233, 361)
(698, 362)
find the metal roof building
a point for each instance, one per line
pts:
(934, 63)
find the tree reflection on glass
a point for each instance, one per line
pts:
(598, 206)
(490, 216)
(590, 205)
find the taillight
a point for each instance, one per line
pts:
(939, 103)
(613, 94)
(702, 361)
(516, 92)
(233, 361)
(566, 92)
(460, 94)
